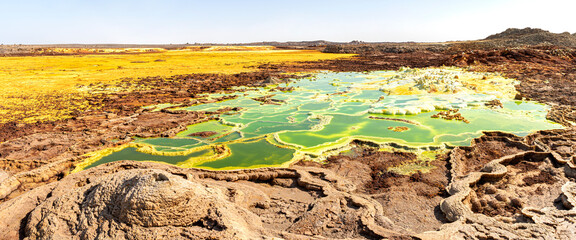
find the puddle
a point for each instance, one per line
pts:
(405, 108)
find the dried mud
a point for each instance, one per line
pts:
(369, 169)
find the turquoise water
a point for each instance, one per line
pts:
(131, 153)
(331, 109)
(251, 153)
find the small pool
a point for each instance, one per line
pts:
(415, 108)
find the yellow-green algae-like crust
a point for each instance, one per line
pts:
(149, 149)
(325, 113)
(220, 151)
(49, 88)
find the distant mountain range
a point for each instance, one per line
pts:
(511, 37)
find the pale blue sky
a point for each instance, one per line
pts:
(219, 21)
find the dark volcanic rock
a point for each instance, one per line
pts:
(532, 36)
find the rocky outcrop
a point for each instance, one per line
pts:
(503, 186)
(141, 204)
(525, 195)
(128, 200)
(565, 115)
(532, 36)
(44, 174)
(517, 188)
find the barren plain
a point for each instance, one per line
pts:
(455, 140)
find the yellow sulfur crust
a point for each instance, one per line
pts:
(44, 88)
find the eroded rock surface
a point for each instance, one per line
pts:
(126, 200)
(521, 195)
(525, 189)
(140, 204)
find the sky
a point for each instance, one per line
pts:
(220, 21)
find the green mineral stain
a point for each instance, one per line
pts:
(314, 106)
(251, 154)
(229, 137)
(213, 126)
(329, 110)
(131, 153)
(170, 142)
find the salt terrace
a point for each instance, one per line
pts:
(419, 110)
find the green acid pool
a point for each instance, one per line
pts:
(326, 112)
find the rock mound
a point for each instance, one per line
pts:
(533, 36)
(135, 200)
(526, 194)
(141, 204)
(516, 32)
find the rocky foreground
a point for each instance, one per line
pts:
(502, 187)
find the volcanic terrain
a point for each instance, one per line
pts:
(501, 187)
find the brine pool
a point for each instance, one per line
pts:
(325, 112)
